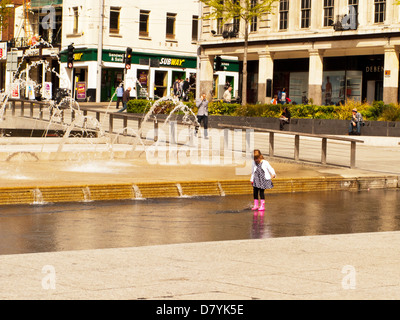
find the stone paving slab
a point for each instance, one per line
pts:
(353, 266)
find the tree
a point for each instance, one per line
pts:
(246, 10)
(6, 10)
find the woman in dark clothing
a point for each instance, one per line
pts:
(285, 118)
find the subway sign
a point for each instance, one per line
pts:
(172, 62)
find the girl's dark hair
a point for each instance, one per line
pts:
(257, 154)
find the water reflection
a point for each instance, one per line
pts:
(45, 228)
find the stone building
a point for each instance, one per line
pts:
(329, 51)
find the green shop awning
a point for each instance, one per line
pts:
(139, 58)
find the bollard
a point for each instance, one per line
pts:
(271, 144)
(125, 125)
(324, 150)
(353, 155)
(296, 147)
(13, 108)
(172, 132)
(111, 123)
(155, 130)
(22, 108)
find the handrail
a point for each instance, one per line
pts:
(297, 136)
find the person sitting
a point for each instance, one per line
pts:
(285, 118)
(356, 122)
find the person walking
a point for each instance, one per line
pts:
(185, 90)
(261, 178)
(120, 93)
(202, 115)
(282, 96)
(176, 87)
(125, 99)
(228, 95)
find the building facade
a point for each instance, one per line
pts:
(26, 56)
(329, 51)
(163, 37)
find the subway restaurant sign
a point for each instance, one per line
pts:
(169, 61)
(172, 62)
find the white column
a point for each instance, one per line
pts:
(265, 72)
(206, 75)
(391, 76)
(315, 79)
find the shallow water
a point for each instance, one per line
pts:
(98, 225)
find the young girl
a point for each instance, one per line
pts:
(261, 179)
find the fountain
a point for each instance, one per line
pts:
(84, 148)
(86, 128)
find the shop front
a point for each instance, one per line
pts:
(357, 78)
(84, 73)
(150, 75)
(156, 74)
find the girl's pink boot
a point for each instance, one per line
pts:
(262, 207)
(255, 205)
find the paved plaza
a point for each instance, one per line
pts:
(349, 266)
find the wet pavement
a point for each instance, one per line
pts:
(136, 223)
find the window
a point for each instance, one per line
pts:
(329, 6)
(283, 14)
(305, 13)
(380, 11)
(171, 19)
(353, 10)
(114, 19)
(144, 23)
(76, 16)
(195, 28)
(220, 25)
(254, 21)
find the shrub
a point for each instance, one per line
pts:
(390, 112)
(377, 111)
(138, 106)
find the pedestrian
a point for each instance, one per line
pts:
(125, 99)
(176, 87)
(274, 100)
(356, 122)
(202, 114)
(185, 90)
(120, 93)
(228, 95)
(282, 96)
(285, 118)
(261, 178)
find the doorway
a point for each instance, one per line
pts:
(111, 79)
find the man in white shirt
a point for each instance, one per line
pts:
(228, 95)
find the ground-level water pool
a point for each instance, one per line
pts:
(98, 225)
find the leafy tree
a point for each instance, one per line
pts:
(6, 10)
(245, 10)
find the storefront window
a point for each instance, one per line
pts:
(340, 86)
(142, 90)
(298, 86)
